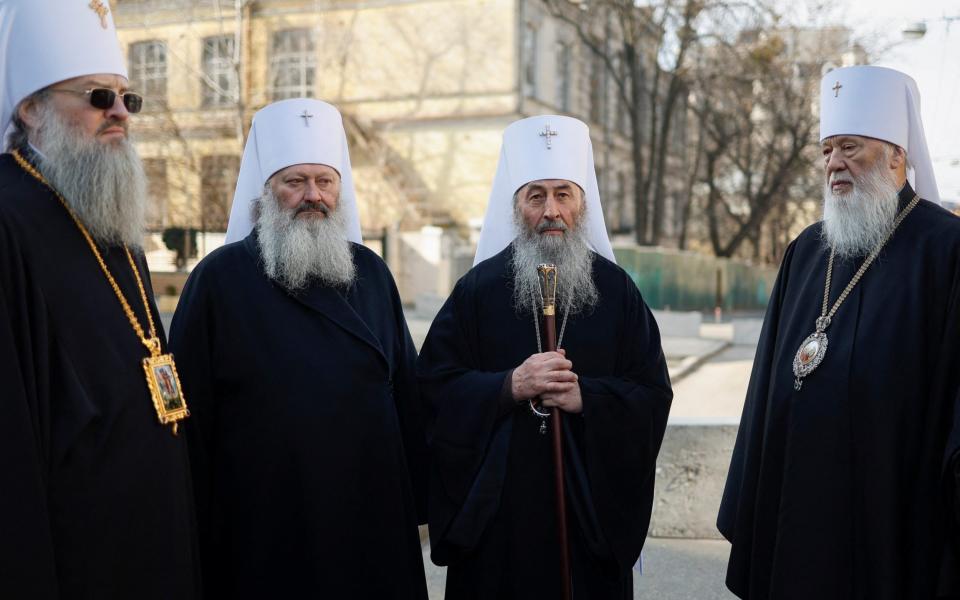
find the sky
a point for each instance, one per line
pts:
(933, 61)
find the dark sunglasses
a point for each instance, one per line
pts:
(104, 98)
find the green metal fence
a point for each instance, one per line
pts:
(675, 280)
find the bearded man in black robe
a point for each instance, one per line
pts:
(492, 505)
(95, 497)
(842, 483)
(306, 438)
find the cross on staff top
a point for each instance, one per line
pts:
(98, 7)
(306, 116)
(548, 133)
(836, 90)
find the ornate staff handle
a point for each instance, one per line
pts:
(548, 288)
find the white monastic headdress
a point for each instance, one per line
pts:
(292, 132)
(880, 103)
(43, 42)
(543, 147)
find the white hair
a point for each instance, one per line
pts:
(856, 222)
(104, 183)
(298, 251)
(571, 254)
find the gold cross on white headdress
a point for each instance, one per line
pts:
(101, 10)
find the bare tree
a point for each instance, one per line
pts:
(755, 105)
(645, 49)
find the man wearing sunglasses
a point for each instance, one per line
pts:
(95, 500)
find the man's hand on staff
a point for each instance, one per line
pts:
(548, 376)
(569, 401)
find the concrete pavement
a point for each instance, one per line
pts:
(673, 569)
(716, 389)
(679, 569)
(701, 431)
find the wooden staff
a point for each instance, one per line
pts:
(548, 287)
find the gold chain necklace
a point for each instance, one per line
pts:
(160, 370)
(814, 347)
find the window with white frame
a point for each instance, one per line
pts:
(148, 71)
(293, 64)
(220, 77)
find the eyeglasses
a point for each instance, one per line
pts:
(104, 98)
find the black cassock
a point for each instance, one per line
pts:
(492, 508)
(305, 432)
(844, 490)
(95, 495)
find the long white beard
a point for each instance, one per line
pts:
(855, 223)
(570, 253)
(296, 251)
(103, 183)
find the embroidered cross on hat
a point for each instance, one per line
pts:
(98, 7)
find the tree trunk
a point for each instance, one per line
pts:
(691, 181)
(640, 180)
(652, 149)
(666, 123)
(712, 199)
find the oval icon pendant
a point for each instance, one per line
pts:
(809, 356)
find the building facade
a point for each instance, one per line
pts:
(426, 88)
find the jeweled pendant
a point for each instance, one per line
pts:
(164, 384)
(809, 356)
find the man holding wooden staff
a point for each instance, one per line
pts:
(489, 383)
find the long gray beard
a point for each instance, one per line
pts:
(855, 223)
(573, 258)
(298, 251)
(103, 183)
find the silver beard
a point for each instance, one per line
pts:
(570, 253)
(855, 223)
(103, 183)
(296, 251)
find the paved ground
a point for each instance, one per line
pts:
(672, 570)
(683, 570)
(716, 389)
